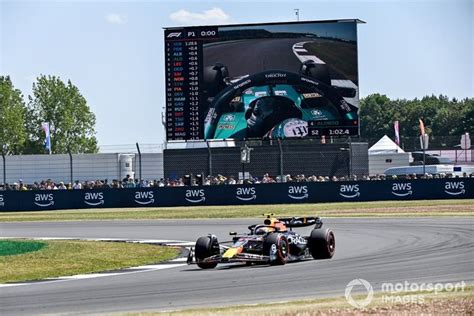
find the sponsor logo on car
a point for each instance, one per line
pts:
(195, 196)
(296, 240)
(209, 115)
(94, 198)
(349, 191)
(246, 194)
(44, 199)
(312, 95)
(309, 81)
(144, 197)
(229, 118)
(454, 187)
(402, 189)
(298, 192)
(260, 94)
(2, 200)
(317, 113)
(281, 92)
(345, 106)
(276, 75)
(243, 83)
(225, 126)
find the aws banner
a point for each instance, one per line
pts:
(280, 193)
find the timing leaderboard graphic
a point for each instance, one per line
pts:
(274, 80)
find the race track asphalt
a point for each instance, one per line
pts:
(256, 55)
(378, 250)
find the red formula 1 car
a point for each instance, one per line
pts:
(273, 242)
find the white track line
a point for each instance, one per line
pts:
(298, 48)
(178, 262)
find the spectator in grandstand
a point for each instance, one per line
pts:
(21, 186)
(62, 186)
(77, 185)
(130, 183)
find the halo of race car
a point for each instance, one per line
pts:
(274, 103)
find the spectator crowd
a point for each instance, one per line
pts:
(130, 182)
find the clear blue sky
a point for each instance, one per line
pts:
(113, 50)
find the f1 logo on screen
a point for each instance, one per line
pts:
(174, 34)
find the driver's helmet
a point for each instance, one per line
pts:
(266, 112)
(264, 230)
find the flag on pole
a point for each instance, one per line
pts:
(397, 132)
(47, 141)
(422, 128)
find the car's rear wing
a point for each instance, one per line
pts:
(301, 221)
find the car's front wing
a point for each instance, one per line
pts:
(241, 257)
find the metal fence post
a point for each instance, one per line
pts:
(281, 160)
(4, 171)
(350, 158)
(71, 173)
(140, 162)
(209, 158)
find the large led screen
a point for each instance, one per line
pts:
(275, 80)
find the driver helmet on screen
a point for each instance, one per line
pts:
(266, 112)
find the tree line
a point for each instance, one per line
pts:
(73, 123)
(441, 116)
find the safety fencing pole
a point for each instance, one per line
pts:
(140, 163)
(209, 158)
(71, 172)
(282, 179)
(4, 171)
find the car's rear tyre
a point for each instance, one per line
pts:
(322, 243)
(277, 245)
(206, 247)
(317, 71)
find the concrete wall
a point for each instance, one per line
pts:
(31, 168)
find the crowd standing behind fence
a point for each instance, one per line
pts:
(129, 182)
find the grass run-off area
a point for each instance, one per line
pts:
(406, 303)
(16, 247)
(63, 258)
(346, 209)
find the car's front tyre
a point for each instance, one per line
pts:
(205, 247)
(277, 247)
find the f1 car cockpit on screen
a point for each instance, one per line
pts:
(275, 80)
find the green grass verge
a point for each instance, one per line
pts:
(443, 303)
(339, 55)
(346, 209)
(15, 247)
(62, 258)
